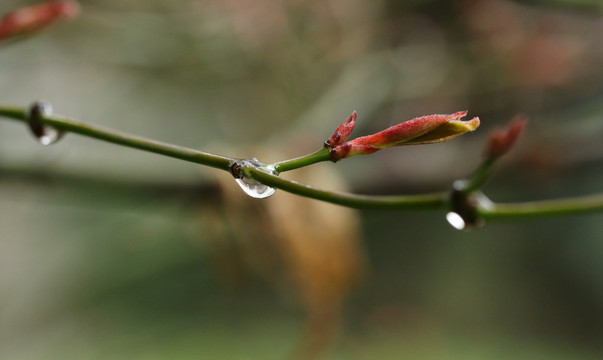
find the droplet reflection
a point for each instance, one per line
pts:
(455, 220)
(249, 185)
(45, 134)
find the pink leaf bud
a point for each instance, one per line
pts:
(422, 130)
(502, 140)
(343, 132)
(32, 18)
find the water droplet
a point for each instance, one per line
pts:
(483, 201)
(455, 220)
(45, 134)
(255, 189)
(460, 185)
(51, 136)
(249, 185)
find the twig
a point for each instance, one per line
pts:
(433, 201)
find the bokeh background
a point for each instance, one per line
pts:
(112, 253)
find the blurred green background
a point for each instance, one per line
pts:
(112, 253)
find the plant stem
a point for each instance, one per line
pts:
(429, 201)
(415, 202)
(568, 206)
(480, 176)
(124, 139)
(292, 164)
(433, 201)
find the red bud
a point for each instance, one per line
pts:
(343, 132)
(502, 140)
(35, 17)
(422, 130)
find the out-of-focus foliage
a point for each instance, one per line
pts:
(112, 253)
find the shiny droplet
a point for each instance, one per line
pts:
(45, 134)
(455, 220)
(255, 189)
(251, 186)
(483, 201)
(51, 136)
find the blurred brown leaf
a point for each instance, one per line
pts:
(307, 250)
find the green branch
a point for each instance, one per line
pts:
(124, 139)
(569, 206)
(319, 156)
(433, 201)
(480, 176)
(415, 202)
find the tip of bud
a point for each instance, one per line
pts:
(502, 140)
(451, 128)
(351, 121)
(342, 132)
(68, 8)
(472, 124)
(458, 115)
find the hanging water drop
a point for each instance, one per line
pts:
(45, 134)
(249, 185)
(254, 188)
(455, 220)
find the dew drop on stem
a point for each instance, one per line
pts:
(46, 135)
(463, 214)
(455, 220)
(249, 185)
